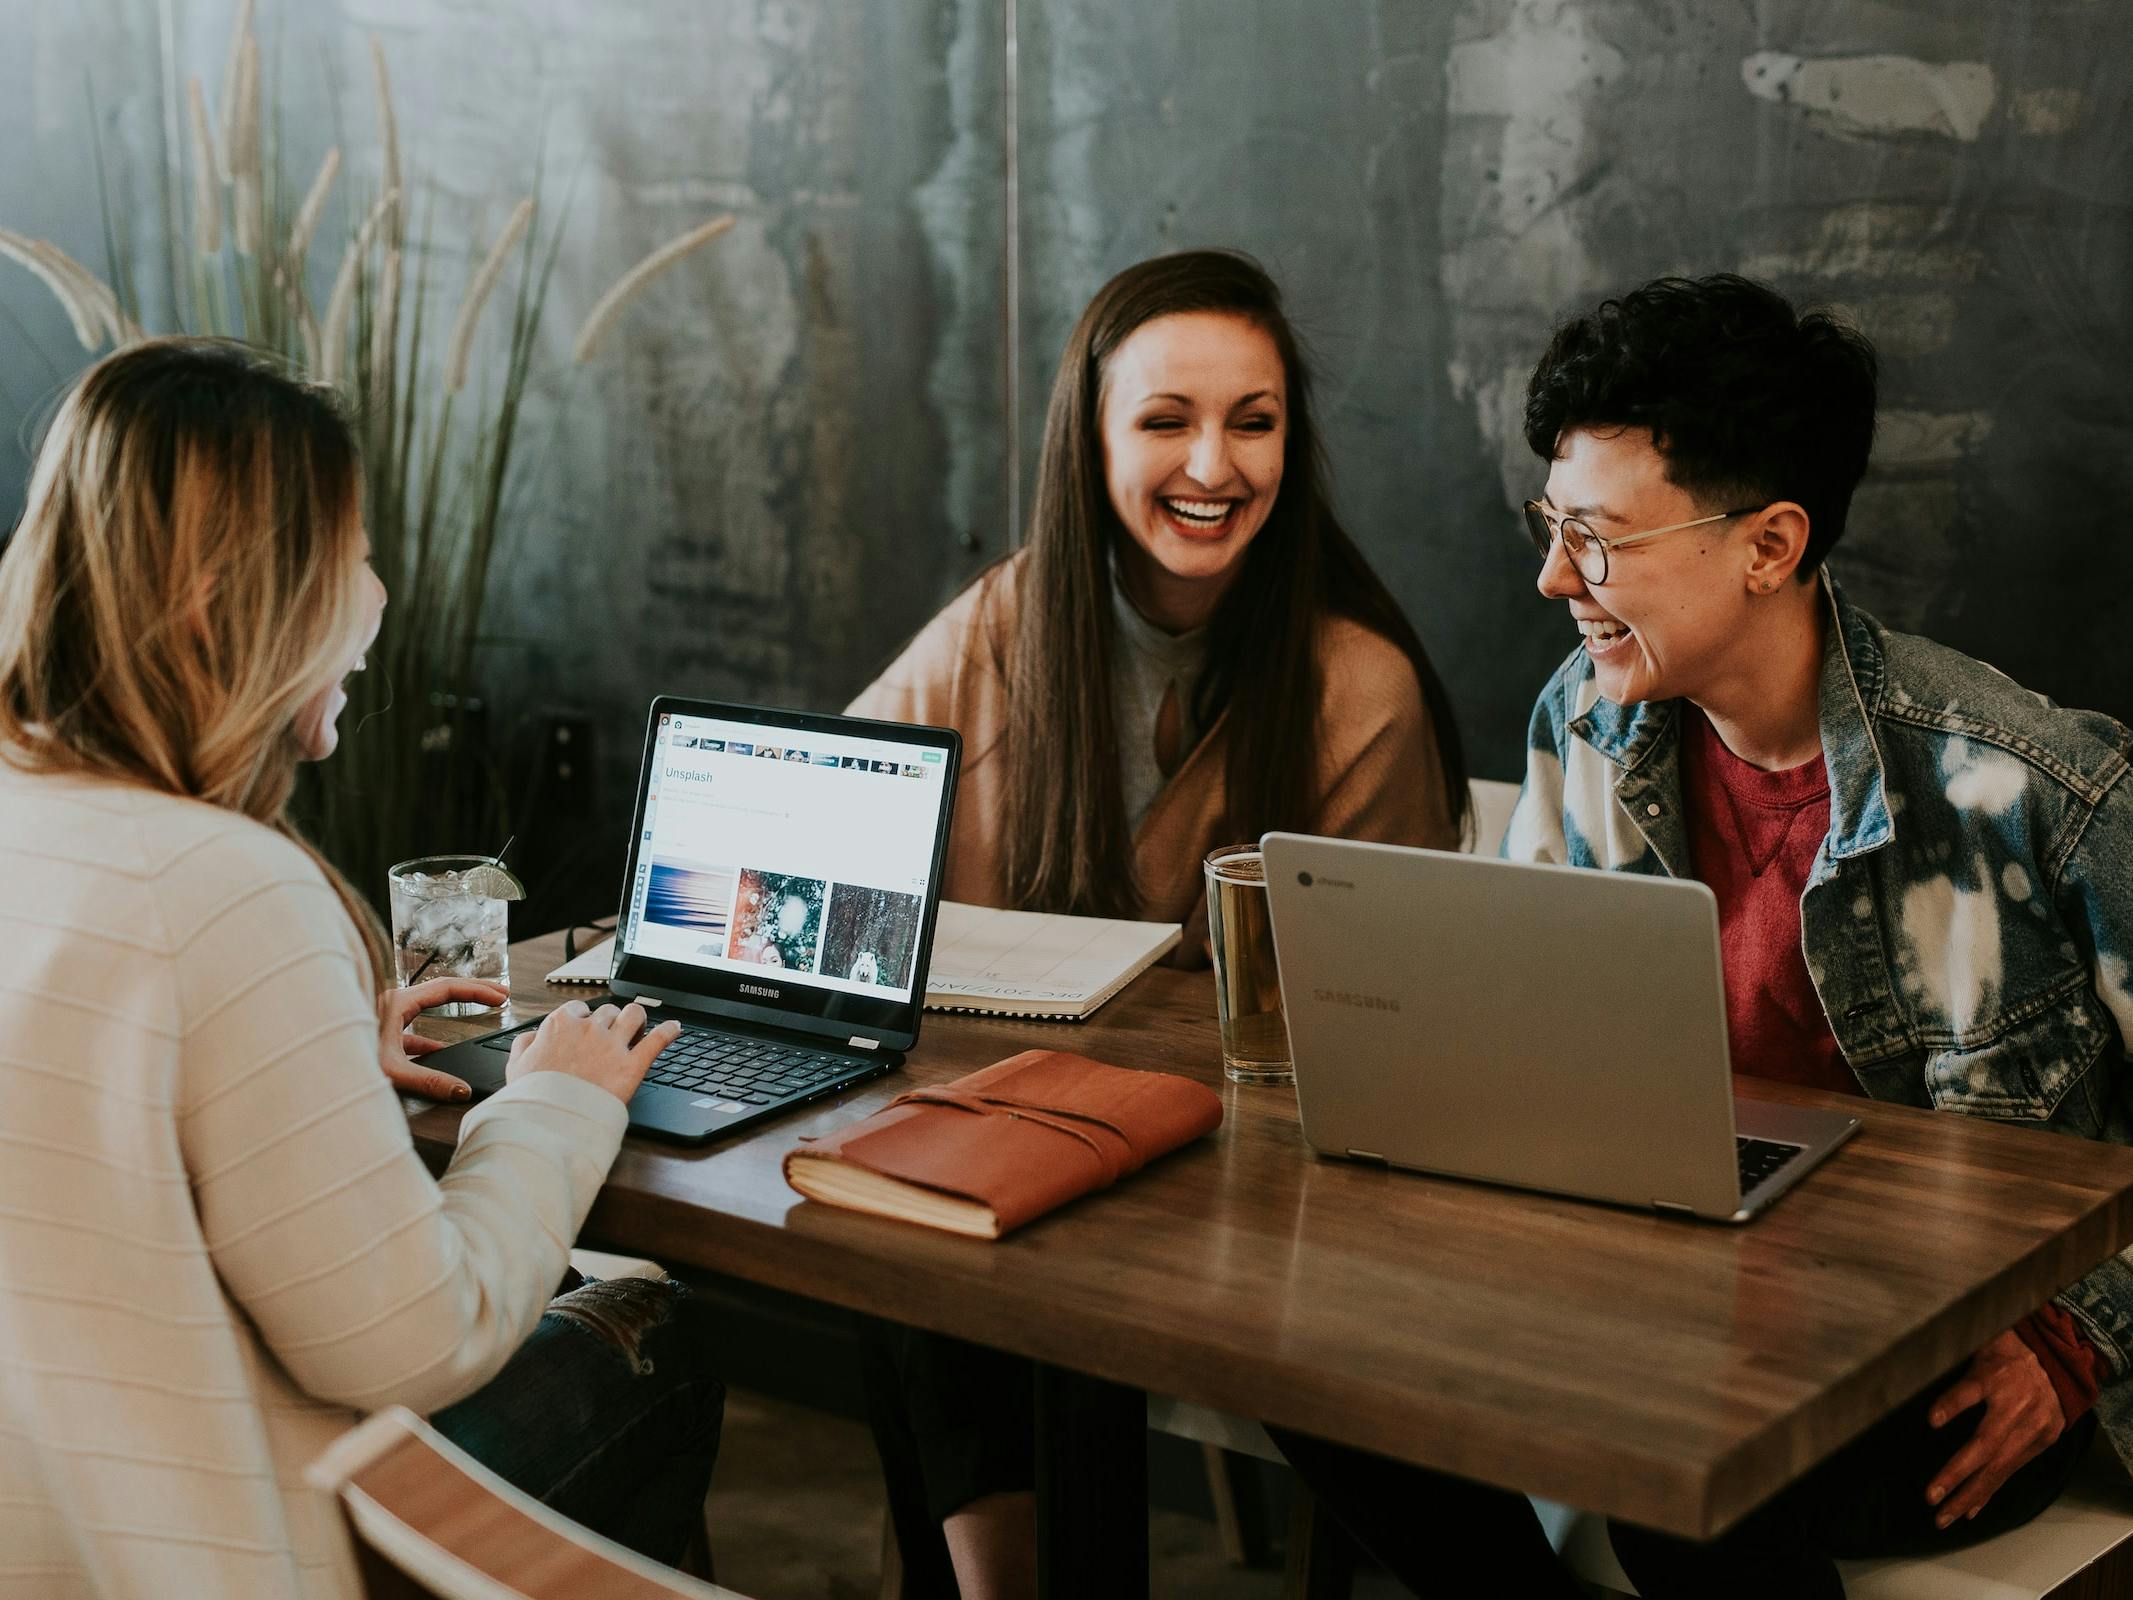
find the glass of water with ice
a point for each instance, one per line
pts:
(450, 921)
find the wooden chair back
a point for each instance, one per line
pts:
(429, 1522)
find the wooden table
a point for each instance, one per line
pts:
(1668, 1372)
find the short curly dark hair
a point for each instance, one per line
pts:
(1749, 401)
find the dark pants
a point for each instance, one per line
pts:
(1441, 1535)
(1869, 1499)
(609, 1414)
(953, 1422)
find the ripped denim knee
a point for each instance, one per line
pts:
(622, 1312)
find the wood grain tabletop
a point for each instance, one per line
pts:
(1671, 1372)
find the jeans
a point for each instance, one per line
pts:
(609, 1414)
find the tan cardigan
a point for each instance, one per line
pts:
(218, 1246)
(1378, 768)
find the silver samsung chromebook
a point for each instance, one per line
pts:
(1554, 1028)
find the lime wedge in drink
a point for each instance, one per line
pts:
(493, 882)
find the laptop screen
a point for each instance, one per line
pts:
(787, 861)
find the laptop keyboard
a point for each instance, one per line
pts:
(755, 1072)
(1759, 1158)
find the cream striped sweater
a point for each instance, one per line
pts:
(217, 1244)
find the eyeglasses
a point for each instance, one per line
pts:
(1587, 550)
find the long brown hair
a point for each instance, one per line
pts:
(1068, 844)
(182, 583)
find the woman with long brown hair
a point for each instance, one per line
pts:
(1187, 652)
(1189, 649)
(217, 1243)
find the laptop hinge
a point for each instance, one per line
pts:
(858, 1043)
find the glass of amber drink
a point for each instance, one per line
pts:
(1240, 940)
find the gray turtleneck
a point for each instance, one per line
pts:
(1146, 663)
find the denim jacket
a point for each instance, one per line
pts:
(1968, 922)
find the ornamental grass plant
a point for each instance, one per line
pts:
(416, 772)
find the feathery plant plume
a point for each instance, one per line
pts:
(243, 153)
(232, 71)
(307, 215)
(98, 302)
(207, 196)
(632, 282)
(95, 295)
(89, 292)
(340, 305)
(388, 135)
(384, 334)
(289, 272)
(64, 289)
(461, 344)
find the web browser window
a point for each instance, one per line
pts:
(802, 853)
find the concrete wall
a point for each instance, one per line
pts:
(783, 458)
(796, 446)
(1436, 184)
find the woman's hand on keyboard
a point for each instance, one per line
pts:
(602, 1047)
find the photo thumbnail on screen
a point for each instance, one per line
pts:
(688, 894)
(872, 935)
(777, 920)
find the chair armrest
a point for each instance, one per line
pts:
(447, 1522)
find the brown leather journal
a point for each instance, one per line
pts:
(1006, 1144)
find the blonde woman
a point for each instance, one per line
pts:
(217, 1244)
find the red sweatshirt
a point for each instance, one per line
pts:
(1753, 837)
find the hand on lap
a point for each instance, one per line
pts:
(2022, 1418)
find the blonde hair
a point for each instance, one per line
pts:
(183, 582)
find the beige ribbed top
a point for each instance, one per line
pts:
(217, 1244)
(1378, 774)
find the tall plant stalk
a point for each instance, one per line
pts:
(416, 772)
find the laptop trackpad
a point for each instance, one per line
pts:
(683, 1113)
(655, 1108)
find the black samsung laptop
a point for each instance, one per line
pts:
(784, 875)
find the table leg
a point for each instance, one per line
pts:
(1092, 1487)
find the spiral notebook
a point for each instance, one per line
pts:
(1003, 963)
(1035, 964)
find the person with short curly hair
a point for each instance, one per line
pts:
(1924, 877)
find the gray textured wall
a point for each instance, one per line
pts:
(1436, 184)
(785, 455)
(797, 446)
